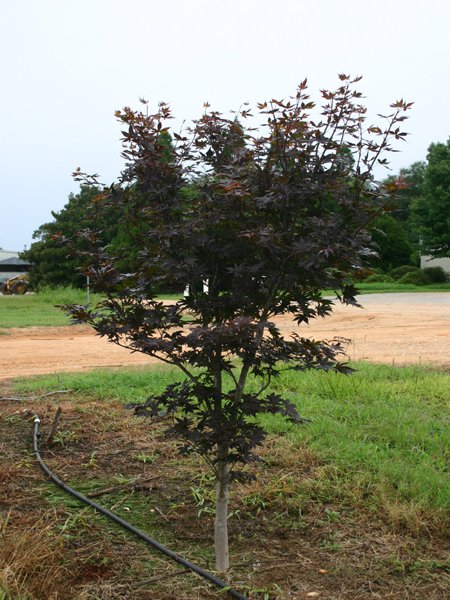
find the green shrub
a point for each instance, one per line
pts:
(436, 274)
(400, 271)
(415, 278)
(363, 274)
(378, 278)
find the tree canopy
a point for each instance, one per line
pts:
(269, 217)
(51, 262)
(408, 183)
(430, 211)
(393, 245)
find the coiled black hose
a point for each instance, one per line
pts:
(177, 558)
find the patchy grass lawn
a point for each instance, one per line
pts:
(41, 309)
(352, 506)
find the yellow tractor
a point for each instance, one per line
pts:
(16, 285)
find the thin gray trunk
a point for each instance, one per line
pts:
(221, 521)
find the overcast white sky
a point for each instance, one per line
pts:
(67, 65)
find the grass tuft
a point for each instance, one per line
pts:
(29, 559)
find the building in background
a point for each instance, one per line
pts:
(429, 261)
(11, 265)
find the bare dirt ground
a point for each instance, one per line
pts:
(402, 328)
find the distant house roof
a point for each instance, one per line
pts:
(14, 261)
(8, 254)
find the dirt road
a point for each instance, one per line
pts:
(391, 328)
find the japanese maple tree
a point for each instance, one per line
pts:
(268, 216)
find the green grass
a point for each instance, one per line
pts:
(139, 507)
(382, 434)
(40, 309)
(127, 385)
(394, 287)
(381, 287)
(384, 431)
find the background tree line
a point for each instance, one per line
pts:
(419, 220)
(418, 223)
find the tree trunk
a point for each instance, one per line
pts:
(221, 521)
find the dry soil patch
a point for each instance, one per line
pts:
(401, 328)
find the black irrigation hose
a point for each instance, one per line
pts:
(179, 559)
